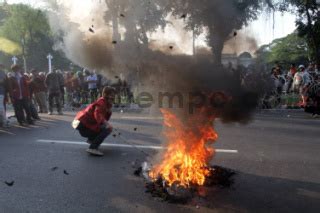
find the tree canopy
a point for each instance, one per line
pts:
(220, 18)
(308, 23)
(137, 16)
(27, 33)
(287, 50)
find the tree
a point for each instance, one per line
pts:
(287, 50)
(23, 25)
(29, 28)
(220, 18)
(3, 12)
(137, 16)
(308, 23)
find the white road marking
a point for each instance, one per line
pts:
(141, 118)
(124, 145)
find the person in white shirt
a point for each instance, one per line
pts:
(301, 82)
(92, 81)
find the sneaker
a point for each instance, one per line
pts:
(50, 113)
(95, 152)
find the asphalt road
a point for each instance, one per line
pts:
(276, 158)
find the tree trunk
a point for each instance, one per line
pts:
(312, 35)
(25, 64)
(24, 54)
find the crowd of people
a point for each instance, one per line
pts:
(39, 92)
(301, 80)
(34, 92)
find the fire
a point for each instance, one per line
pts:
(187, 156)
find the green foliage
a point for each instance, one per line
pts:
(27, 32)
(287, 50)
(24, 23)
(3, 12)
(308, 23)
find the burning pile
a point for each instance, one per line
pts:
(184, 170)
(185, 162)
(186, 159)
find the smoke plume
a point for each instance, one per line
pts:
(92, 42)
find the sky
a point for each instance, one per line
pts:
(262, 29)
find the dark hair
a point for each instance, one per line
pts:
(15, 67)
(108, 90)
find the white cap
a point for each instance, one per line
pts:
(302, 67)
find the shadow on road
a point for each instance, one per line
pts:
(252, 193)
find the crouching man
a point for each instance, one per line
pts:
(92, 122)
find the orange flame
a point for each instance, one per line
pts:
(187, 156)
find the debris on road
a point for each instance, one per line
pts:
(9, 183)
(65, 172)
(54, 168)
(219, 177)
(145, 170)
(135, 129)
(91, 30)
(138, 171)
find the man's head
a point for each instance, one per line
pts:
(109, 93)
(302, 68)
(15, 68)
